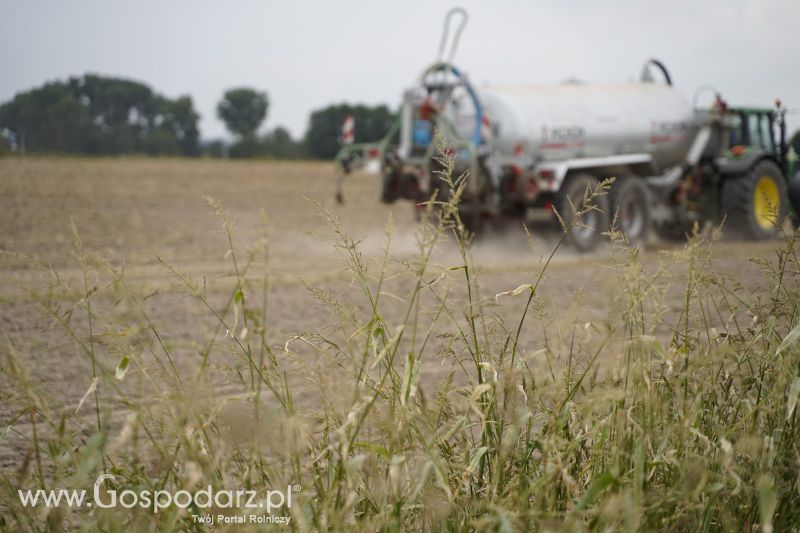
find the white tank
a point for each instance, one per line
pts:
(571, 120)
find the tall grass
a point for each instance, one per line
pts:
(695, 428)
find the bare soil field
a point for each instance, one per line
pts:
(140, 214)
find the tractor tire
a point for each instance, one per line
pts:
(630, 209)
(794, 199)
(586, 229)
(755, 204)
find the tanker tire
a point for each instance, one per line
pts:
(738, 198)
(672, 231)
(396, 186)
(471, 219)
(630, 209)
(588, 232)
(389, 187)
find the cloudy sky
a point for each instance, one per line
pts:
(310, 54)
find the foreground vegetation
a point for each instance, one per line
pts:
(695, 428)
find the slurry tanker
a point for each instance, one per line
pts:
(538, 147)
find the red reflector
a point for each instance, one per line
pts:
(548, 205)
(546, 174)
(426, 109)
(373, 152)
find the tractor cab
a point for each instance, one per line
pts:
(758, 171)
(753, 127)
(762, 130)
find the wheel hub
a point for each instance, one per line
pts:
(766, 202)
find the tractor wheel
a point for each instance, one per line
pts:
(794, 198)
(755, 204)
(586, 227)
(630, 209)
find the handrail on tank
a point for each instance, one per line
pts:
(702, 90)
(446, 30)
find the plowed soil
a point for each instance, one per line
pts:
(140, 214)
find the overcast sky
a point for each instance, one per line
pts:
(306, 55)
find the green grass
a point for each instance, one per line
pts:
(694, 430)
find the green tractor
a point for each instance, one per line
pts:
(748, 176)
(758, 171)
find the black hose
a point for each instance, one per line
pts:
(662, 68)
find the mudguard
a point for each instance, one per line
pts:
(736, 166)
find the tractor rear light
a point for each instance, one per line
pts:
(373, 153)
(738, 150)
(548, 205)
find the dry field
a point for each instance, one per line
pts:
(131, 212)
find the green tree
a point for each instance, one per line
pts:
(177, 120)
(243, 110)
(50, 118)
(372, 123)
(279, 144)
(101, 115)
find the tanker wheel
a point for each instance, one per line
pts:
(471, 219)
(756, 203)
(630, 209)
(586, 228)
(672, 231)
(390, 186)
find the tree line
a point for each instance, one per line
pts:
(100, 115)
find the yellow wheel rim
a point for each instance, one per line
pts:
(766, 202)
